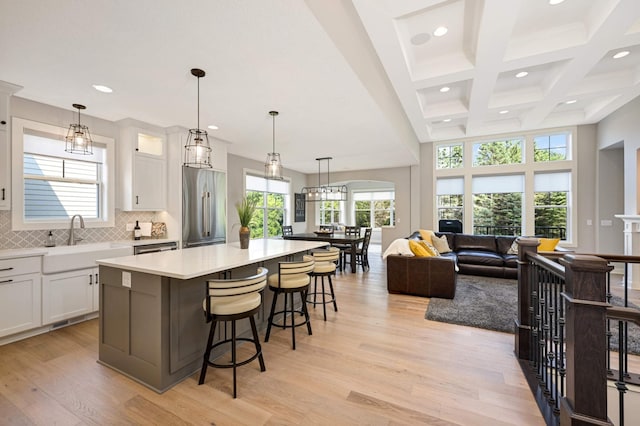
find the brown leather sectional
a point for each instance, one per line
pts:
(436, 276)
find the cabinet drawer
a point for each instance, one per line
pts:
(19, 266)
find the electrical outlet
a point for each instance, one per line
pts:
(606, 223)
(126, 279)
(129, 227)
(589, 222)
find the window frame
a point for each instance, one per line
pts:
(286, 210)
(529, 167)
(372, 206)
(106, 202)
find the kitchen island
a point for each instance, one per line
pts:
(152, 326)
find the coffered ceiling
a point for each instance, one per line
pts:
(357, 80)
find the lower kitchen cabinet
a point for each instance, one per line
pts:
(69, 294)
(19, 303)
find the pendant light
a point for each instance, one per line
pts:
(325, 192)
(273, 166)
(78, 139)
(197, 151)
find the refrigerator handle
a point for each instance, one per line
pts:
(208, 218)
(204, 214)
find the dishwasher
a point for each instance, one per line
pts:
(155, 247)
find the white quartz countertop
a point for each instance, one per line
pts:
(198, 261)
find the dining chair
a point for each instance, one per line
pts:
(362, 253)
(232, 300)
(287, 230)
(348, 231)
(292, 278)
(325, 266)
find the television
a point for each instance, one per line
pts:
(450, 225)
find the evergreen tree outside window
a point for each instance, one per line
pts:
(497, 205)
(450, 156)
(450, 198)
(552, 147)
(551, 201)
(508, 151)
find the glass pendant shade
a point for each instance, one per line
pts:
(78, 139)
(273, 165)
(197, 150)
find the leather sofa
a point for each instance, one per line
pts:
(421, 276)
(486, 255)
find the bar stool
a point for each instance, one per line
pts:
(231, 300)
(325, 267)
(292, 277)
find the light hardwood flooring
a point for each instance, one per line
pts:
(377, 361)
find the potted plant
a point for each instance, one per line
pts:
(245, 208)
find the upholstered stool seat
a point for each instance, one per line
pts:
(325, 266)
(231, 300)
(292, 278)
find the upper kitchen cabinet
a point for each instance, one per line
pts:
(142, 165)
(6, 90)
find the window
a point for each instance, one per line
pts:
(450, 198)
(497, 205)
(551, 147)
(51, 185)
(449, 156)
(330, 212)
(494, 153)
(59, 188)
(374, 209)
(272, 197)
(551, 198)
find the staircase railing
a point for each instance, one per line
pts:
(563, 337)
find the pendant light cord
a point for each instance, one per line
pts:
(198, 104)
(274, 133)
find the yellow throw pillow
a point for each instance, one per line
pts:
(548, 244)
(430, 248)
(441, 244)
(427, 235)
(418, 249)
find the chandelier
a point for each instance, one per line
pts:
(197, 151)
(325, 192)
(78, 139)
(273, 165)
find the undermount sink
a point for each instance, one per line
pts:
(69, 258)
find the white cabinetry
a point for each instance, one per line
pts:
(6, 90)
(142, 155)
(69, 294)
(20, 284)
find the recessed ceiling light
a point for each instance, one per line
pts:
(446, 120)
(420, 38)
(621, 54)
(212, 127)
(522, 74)
(572, 101)
(103, 89)
(554, 2)
(440, 31)
(445, 89)
(504, 111)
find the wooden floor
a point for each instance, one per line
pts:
(377, 361)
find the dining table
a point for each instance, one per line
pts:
(332, 238)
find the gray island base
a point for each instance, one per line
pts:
(152, 326)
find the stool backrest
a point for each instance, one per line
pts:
(236, 286)
(329, 255)
(303, 266)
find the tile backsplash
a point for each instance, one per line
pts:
(26, 239)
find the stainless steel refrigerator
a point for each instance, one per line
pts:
(204, 207)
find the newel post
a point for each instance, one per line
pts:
(585, 401)
(522, 323)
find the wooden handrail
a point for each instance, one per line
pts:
(546, 263)
(624, 314)
(616, 257)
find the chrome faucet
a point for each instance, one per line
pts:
(72, 238)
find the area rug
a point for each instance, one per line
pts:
(491, 303)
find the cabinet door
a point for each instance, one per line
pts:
(5, 168)
(149, 187)
(19, 303)
(67, 295)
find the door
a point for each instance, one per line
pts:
(67, 295)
